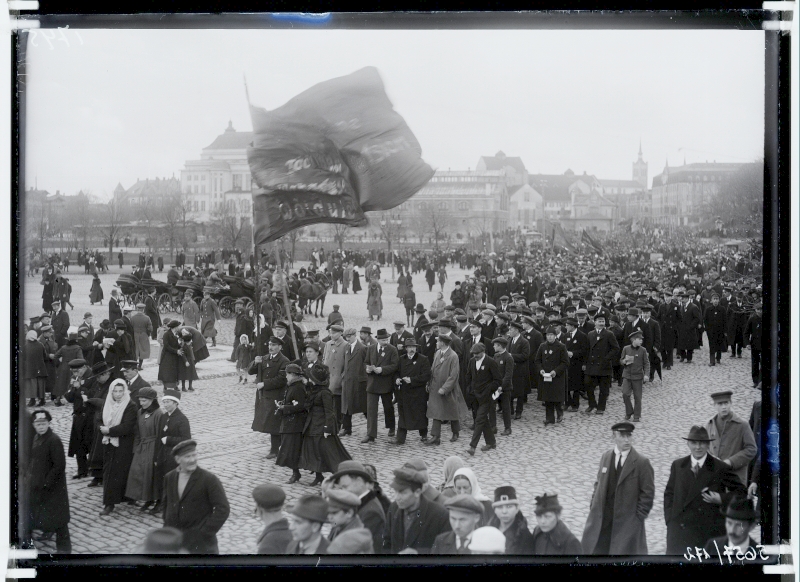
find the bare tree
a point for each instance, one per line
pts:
(112, 220)
(341, 232)
(439, 223)
(174, 214)
(80, 214)
(150, 210)
(420, 226)
(293, 236)
(231, 228)
(36, 220)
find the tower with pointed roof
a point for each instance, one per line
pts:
(640, 169)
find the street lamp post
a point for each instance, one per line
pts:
(390, 228)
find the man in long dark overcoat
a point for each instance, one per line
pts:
(689, 326)
(173, 428)
(715, 319)
(668, 317)
(271, 386)
(354, 381)
(577, 345)
(520, 351)
(552, 362)
(381, 364)
(411, 378)
(603, 352)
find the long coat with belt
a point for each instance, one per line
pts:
(633, 500)
(444, 376)
(168, 367)
(736, 444)
(142, 330)
(412, 399)
(520, 350)
(690, 520)
(382, 383)
(175, 429)
(199, 513)
(334, 358)
(272, 372)
(141, 477)
(553, 358)
(46, 481)
(603, 353)
(354, 379)
(431, 520)
(689, 327)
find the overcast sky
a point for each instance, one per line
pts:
(137, 104)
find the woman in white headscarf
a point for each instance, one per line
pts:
(466, 483)
(119, 424)
(451, 465)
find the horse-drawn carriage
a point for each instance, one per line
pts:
(134, 290)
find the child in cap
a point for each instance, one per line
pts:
(186, 371)
(244, 357)
(636, 371)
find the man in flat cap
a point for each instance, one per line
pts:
(699, 485)
(715, 319)
(60, 323)
(194, 501)
(465, 514)
(552, 361)
(343, 514)
(635, 372)
(399, 335)
(623, 497)
(173, 428)
(352, 541)
(334, 358)
(381, 364)
(308, 515)
(275, 537)
(483, 379)
(412, 522)
(353, 477)
(130, 371)
(732, 438)
(752, 339)
(270, 373)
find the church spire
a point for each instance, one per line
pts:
(640, 148)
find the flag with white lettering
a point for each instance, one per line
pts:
(329, 154)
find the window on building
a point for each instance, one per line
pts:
(194, 205)
(443, 205)
(237, 182)
(202, 206)
(203, 177)
(463, 205)
(203, 189)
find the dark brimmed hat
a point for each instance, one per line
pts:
(119, 324)
(182, 447)
(293, 369)
(273, 339)
(173, 324)
(420, 308)
(500, 340)
(382, 334)
(571, 321)
(464, 502)
(447, 323)
(624, 426)
(282, 324)
(516, 325)
(312, 508)
(410, 343)
(552, 329)
(633, 311)
(365, 329)
(545, 503)
(77, 363)
(407, 478)
(698, 433)
(739, 508)
(722, 395)
(635, 334)
(448, 339)
(100, 368)
(352, 468)
(269, 497)
(128, 364)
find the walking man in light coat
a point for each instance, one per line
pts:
(622, 500)
(442, 403)
(734, 443)
(334, 357)
(142, 330)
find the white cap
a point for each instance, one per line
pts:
(488, 540)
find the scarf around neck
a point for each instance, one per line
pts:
(113, 410)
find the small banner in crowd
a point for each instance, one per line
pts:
(560, 238)
(587, 238)
(329, 154)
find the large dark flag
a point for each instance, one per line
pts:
(560, 238)
(586, 238)
(330, 154)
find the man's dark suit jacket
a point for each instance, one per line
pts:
(199, 513)
(433, 519)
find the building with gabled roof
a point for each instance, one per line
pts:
(590, 211)
(513, 167)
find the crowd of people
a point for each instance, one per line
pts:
(528, 326)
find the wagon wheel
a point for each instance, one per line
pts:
(164, 303)
(121, 300)
(248, 304)
(226, 307)
(139, 297)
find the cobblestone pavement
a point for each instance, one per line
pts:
(562, 457)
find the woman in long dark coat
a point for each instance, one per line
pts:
(294, 414)
(82, 433)
(322, 450)
(119, 422)
(48, 280)
(168, 366)
(66, 353)
(411, 378)
(552, 358)
(96, 292)
(34, 371)
(356, 281)
(186, 362)
(141, 485)
(46, 482)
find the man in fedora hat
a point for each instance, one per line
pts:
(399, 335)
(733, 441)
(354, 380)
(60, 323)
(736, 546)
(483, 378)
(442, 397)
(421, 320)
(412, 377)
(353, 477)
(752, 339)
(412, 522)
(269, 508)
(308, 515)
(194, 501)
(173, 428)
(334, 358)
(623, 497)
(382, 362)
(698, 486)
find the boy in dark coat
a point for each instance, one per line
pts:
(194, 501)
(269, 505)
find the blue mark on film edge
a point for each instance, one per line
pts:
(302, 16)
